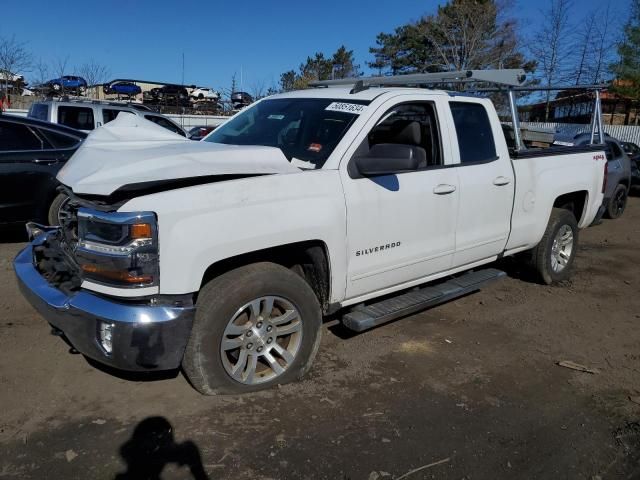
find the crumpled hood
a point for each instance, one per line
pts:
(131, 149)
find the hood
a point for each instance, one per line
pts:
(131, 149)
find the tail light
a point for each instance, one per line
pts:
(606, 174)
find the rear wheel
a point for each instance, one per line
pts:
(618, 202)
(255, 327)
(553, 257)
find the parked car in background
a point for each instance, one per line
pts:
(203, 93)
(633, 152)
(122, 88)
(618, 171)
(241, 99)
(171, 93)
(66, 84)
(31, 154)
(87, 115)
(199, 132)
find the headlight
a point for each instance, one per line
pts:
(118, 249)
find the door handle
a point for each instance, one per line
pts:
(500, 181)
(45, 161)
(444, 189)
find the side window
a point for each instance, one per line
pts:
(163, 122)
(80, 118)
(16, 137)
(411, 124)
(59, 140)
(473, 129)
(109, 114)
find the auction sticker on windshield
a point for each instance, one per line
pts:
(346, 107)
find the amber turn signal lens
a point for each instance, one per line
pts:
(122, 276)
(140, 230)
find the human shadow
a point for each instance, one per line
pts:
(152, 447)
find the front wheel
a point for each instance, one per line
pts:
(618, 202)
(255, 327)
(553, 257)
(58, 202)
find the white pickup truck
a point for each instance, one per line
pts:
(223, 256)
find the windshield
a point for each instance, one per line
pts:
(305, 129)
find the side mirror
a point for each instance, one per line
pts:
(389, 159)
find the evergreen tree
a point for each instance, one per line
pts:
(627, 69)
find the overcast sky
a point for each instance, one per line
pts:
(256, 39)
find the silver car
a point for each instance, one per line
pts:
(87, 115)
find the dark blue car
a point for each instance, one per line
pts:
(68, 83)
(122, 88)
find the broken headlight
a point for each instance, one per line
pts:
(118, 249)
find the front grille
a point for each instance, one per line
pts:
(56, 265)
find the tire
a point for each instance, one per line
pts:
(209, 367)
(542, 256)
(617, 203)
(54, 209)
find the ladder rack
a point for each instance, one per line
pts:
(509, 81)
(510, 77)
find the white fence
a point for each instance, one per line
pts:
(626, 133)
(188, 121)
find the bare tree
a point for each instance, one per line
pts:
(93, 72)
(551, 46)
(41, 72)
(258, 89)
(14, 58)
(60, 67)
(594, 46)
(604, 46)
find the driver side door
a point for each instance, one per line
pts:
(400, 226)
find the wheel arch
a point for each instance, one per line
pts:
(576, 202)
(310, 259)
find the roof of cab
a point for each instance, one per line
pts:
(345, 93)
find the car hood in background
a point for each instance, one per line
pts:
(131, 149)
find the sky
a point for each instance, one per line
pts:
(255, 39)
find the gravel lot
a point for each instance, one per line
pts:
(473, 384)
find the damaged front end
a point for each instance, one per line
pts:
(129, 332)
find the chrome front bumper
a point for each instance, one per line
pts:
(144, 337)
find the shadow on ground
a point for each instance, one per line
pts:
(152, 447)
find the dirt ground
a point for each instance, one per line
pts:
(472, 387)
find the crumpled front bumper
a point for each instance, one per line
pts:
(144, 336)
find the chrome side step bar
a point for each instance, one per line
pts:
(369, 316)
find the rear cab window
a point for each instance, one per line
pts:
(80, 118)
(473, 129)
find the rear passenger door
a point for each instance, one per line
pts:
(28, 167)
(486, 183)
